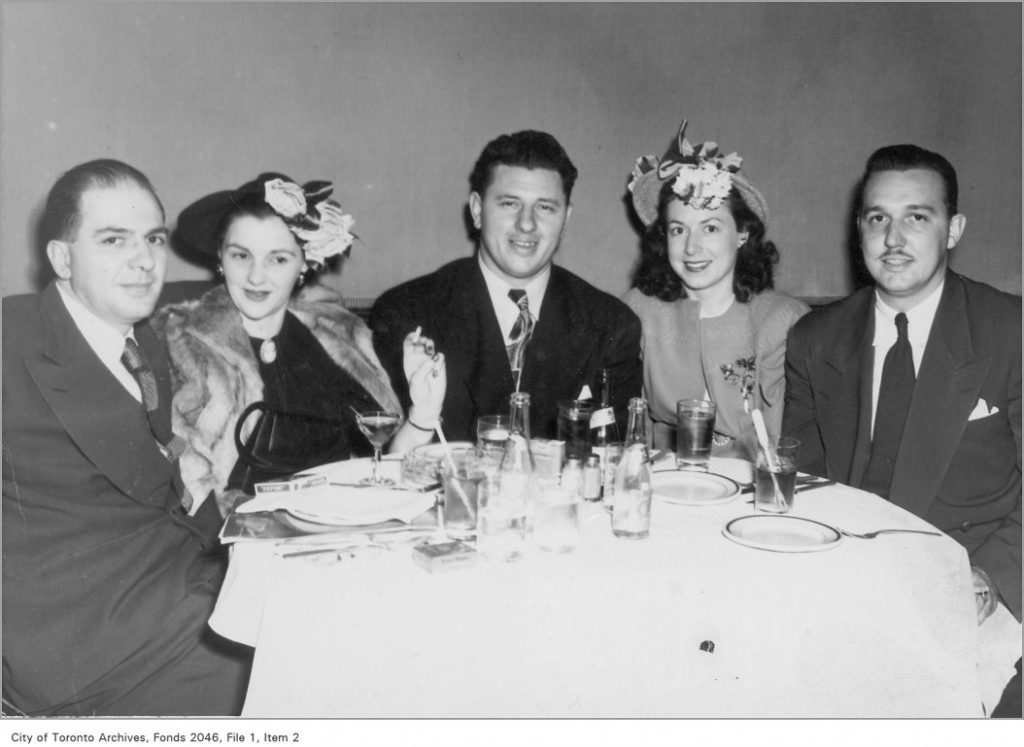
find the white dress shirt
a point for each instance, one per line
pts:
(105, 341)
(919, 325)
(505, 309)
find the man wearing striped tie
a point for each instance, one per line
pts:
(508, 319)
(912, 389)
(107, 582)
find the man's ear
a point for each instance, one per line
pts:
(475, 209)
(957, 224)
(59, 254)
(568, 214)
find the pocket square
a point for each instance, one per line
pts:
(981, 411)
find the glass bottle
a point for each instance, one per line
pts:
(518, 481)
(603, 429)
(631, 512)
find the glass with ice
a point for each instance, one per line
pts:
(775, 477)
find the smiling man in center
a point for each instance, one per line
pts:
(551, 341)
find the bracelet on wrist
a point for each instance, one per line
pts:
(419, 427)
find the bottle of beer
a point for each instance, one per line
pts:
(603, 429)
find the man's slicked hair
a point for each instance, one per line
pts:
(906, 157)
(62, 216)
(528, 149)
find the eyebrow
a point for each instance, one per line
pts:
(915, 208)
(509, 196)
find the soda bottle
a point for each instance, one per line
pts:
(631, 511)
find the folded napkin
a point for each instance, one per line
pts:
(344, 506)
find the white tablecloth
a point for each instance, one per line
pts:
(871, 628)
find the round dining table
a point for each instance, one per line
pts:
(690, 622)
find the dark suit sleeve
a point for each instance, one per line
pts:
(798, 418)
(392, 318)
(621, 356)
(1000, 554)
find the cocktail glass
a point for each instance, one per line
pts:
(378, 426)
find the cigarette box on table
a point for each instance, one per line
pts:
(290, 484)
(447, 556)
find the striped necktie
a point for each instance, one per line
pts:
(894, 395)
(522, 330)
(171, 445)
(132, 359)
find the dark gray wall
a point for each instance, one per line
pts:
(394, 102)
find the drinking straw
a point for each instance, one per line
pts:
(456, 485)
(762, 438)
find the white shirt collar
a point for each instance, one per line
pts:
(919, 323)
(105, 341)
(504, 309)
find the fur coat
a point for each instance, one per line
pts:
(216, 375)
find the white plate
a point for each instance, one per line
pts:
(359, 506)
(782, 533)
(693, 488)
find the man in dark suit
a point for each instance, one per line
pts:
(912, 389)
(550, 342)
(107, 582)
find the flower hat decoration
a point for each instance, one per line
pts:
(700, 174)
(319, 223)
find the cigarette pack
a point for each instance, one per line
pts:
(443, 557)
(290, 484)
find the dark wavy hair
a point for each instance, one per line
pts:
(906, 157)
(754, 259)
(529, 149)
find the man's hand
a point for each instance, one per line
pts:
(984, 594)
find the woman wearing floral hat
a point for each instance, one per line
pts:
(266, 335)
(712, 326)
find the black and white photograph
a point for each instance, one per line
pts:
(380, 372)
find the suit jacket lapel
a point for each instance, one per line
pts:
(476, 358)
(561, 341)
(76, 385)
(840, 385)
(948, 382)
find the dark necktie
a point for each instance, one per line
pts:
(132, 359)
(521, 330)
(894, 395)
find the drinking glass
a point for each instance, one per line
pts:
(492, 432)
(556, 519)
(378, 426)
(776, 476)
(574, 426)
(501, 522)
(462, 471)
(696, 419)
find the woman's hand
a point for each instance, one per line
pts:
(416, 350)
(427, 375)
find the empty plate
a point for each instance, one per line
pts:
(782, 533)
(693, 488)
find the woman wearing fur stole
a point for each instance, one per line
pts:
(259, 339)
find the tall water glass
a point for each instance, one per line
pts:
(462, 472)
(775, 481)
(696, 419)
(501, 522)
(556, 519)
(574, 426)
